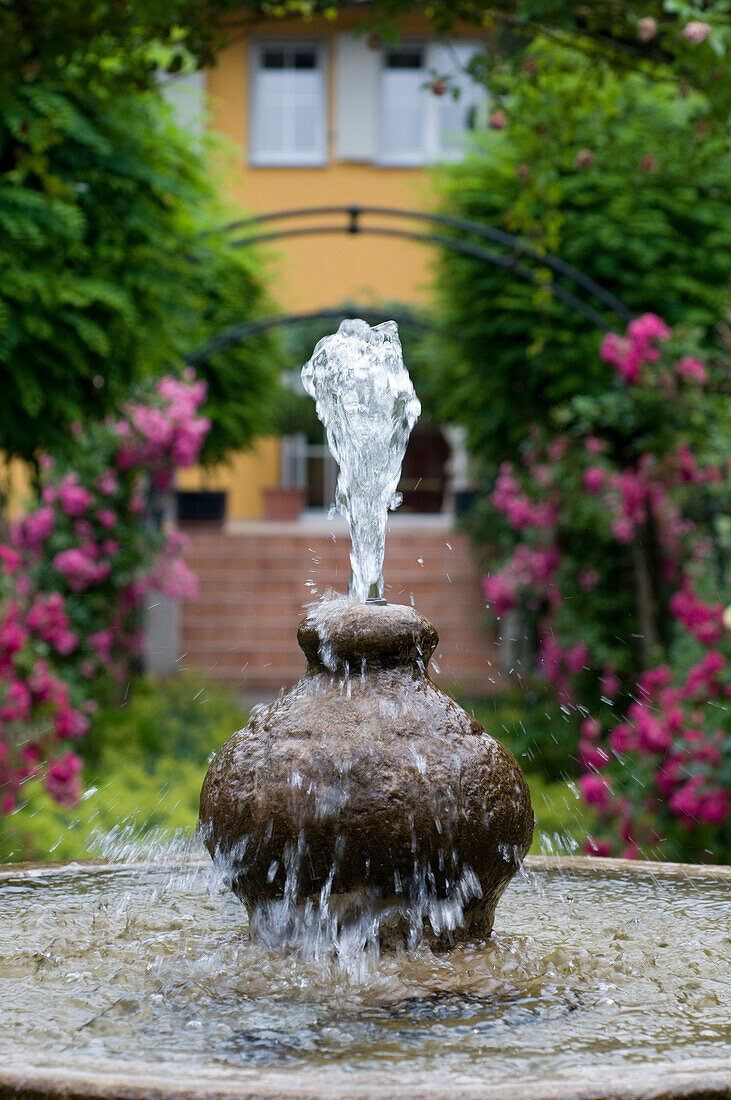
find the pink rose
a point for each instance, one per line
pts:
(696, 31)
(692, 368)
(38, 526)
(593, 479)
(74, 499)
(596, 790)
(11, 560)
(107, 517)
(646, 28)
(107, 483)
(63, 779)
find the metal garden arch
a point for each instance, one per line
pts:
(514, 254)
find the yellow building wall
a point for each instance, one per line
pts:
(243, 477)
(15, 486)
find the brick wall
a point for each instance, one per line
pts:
(253, 587)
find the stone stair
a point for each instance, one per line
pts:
(255, 579)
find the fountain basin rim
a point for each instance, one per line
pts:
(117, 1079)
(607, 864)
(69, 1077)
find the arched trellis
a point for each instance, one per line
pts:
(517, 257)
(237, 334)
(513, 254)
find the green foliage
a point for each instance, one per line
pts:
(145, 761)
(562, 819)
(112, 269)
(623, 180)
(534, 728)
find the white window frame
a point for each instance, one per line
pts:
(432, 150)
(290, 159)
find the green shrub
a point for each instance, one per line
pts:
(145, 762)
(620, 177)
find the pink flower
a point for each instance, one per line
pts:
(591, 729)
(714, 807)
(38, 526)
(599, 848)
(70, 723)
(595, 446)
(702, 675)
(670, 775)
(577, 658)
(592, 757)
(646, 28)
(686, 802)
(107, 483)
(12, 634)
(651, 734)
(623, 529)
(622, 739)
(16, 702)
(609, 683)
(11, 560)
(500, 593)
(696, 31)
(174, 578)
(102, 643)
(80, 569)
(648, 327)
(703, 621)
(45, 687)
(692, 368)
(588, 579)
(595, 790)
(653, 679)
(74, 499)
(558, 448)
(593, 479)
(63, 779)
(107, 517)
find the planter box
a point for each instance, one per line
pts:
(201, 507)
(283, 504)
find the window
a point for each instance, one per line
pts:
(287, 104)
(403, 105)
(415, 125)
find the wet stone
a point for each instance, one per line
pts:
(365, 795)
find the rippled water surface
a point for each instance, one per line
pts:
(155, 964)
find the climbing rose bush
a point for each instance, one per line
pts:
(613, 568)
(73, 574)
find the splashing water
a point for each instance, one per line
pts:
(368, 406)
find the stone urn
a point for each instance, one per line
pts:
(367, 785)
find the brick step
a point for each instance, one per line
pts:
(242, 626)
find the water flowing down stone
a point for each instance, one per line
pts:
(368, 406)
(365, 806)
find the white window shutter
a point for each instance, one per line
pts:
(186, 93)
(358, 73)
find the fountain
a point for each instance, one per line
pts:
(365, 796)
(370, 827)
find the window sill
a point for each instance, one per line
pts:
(260, 162)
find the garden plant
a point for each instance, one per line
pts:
(74, 574)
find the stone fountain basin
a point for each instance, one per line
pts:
(604, 978)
